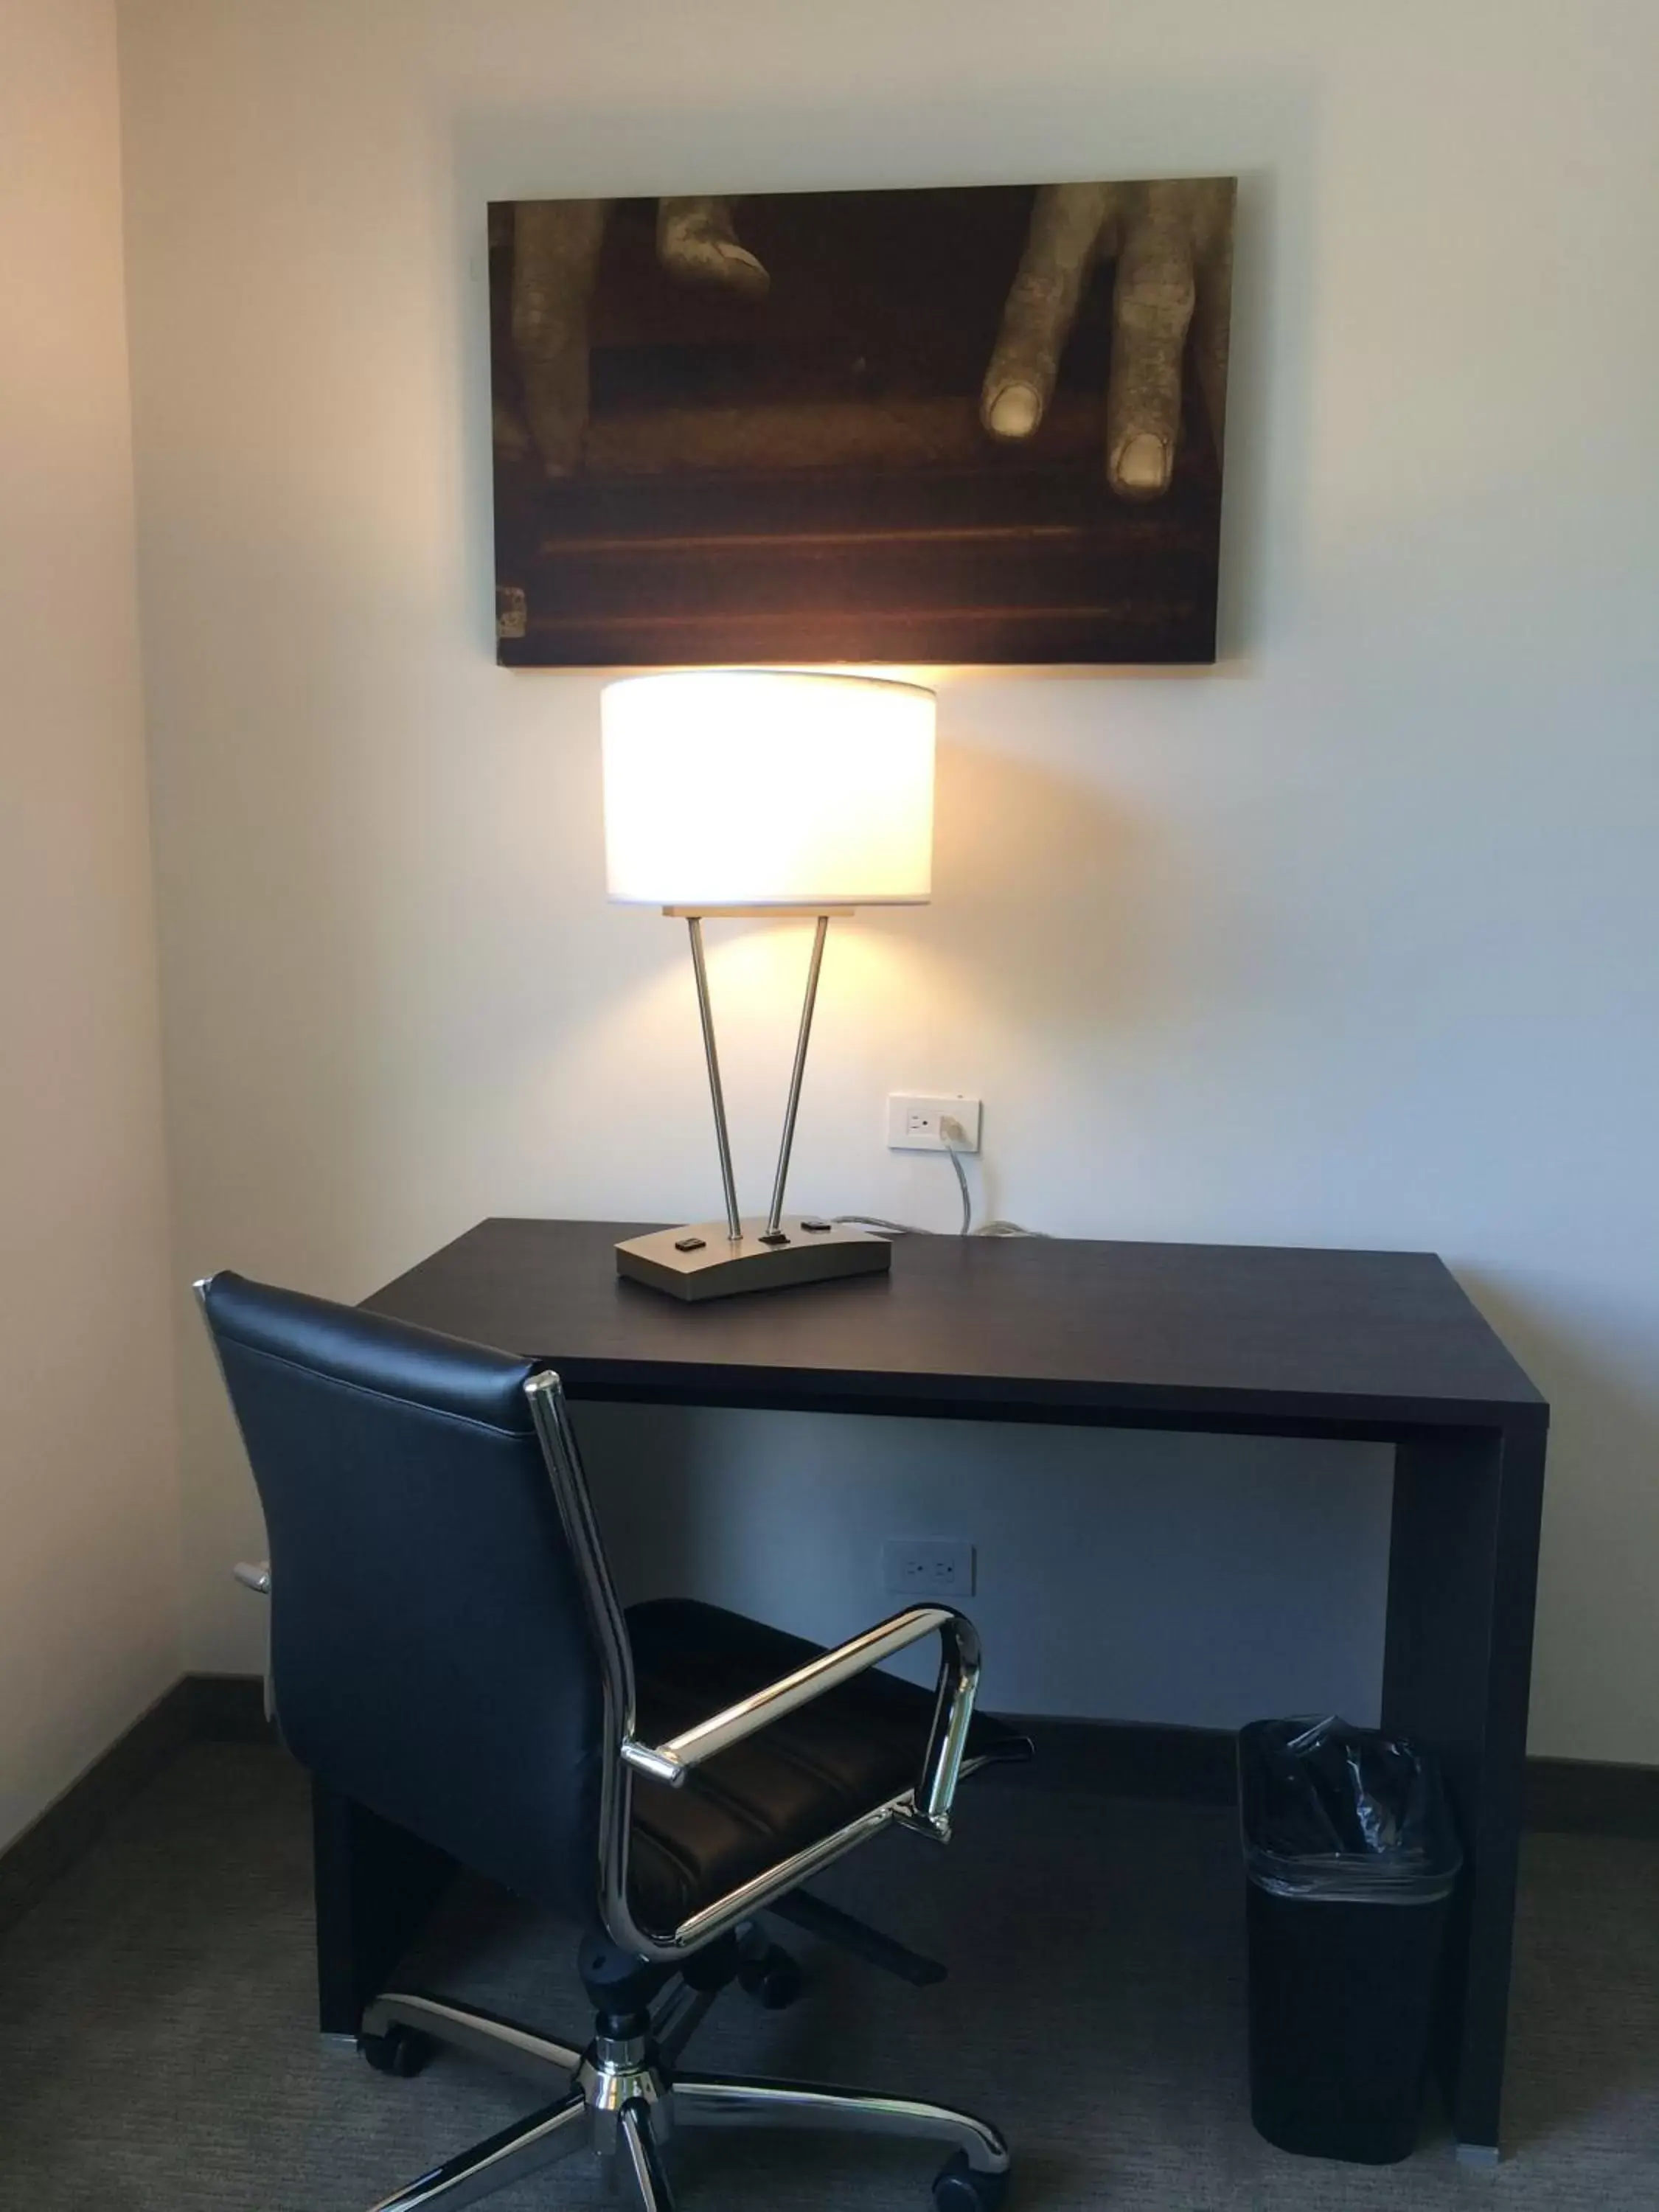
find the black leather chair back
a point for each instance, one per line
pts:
(431, 1652)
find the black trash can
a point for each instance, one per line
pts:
(1351, 1859)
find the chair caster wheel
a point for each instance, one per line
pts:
(958, 2187)
(401, 2050)
(775, 1979)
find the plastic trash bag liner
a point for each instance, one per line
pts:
(1345, 1813)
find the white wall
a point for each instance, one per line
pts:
(1352, 941)
(88, 1540)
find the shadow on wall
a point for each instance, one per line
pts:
(1053, 898)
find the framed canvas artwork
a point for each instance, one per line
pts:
(969, 426)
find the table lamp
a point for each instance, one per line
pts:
(760, 793)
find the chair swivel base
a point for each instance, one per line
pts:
(624, 2096)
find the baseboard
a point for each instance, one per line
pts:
(1593, 1797)
(1113, 1758)
(222, 1708)
(1126, 1758)
(75, 1821)
(1122, 1759)
(228, 1708)
(1194, 1765)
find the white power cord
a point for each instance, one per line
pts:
(949, 1127)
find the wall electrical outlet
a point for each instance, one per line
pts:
(928, 1566)
(914, 1123)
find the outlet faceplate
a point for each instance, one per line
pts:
(928, 1566)
(914, 1122)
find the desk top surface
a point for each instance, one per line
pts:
(1187, 1335)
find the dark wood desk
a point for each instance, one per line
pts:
(1376, 1346)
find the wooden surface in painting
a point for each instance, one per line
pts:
(806, 475)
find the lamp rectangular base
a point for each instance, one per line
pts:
(716, 1267)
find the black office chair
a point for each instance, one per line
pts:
(448, 1651)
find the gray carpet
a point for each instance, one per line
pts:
(157, 2046)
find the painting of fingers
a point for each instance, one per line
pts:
(965, 426)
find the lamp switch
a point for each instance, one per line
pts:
(915, 1123)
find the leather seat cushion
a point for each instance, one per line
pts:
(795, 1781)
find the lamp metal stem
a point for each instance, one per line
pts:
(798, 1072)
(734, 1225)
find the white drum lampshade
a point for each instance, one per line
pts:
(753, 788)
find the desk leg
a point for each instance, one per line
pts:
(375, 1885)
(1457, 1672)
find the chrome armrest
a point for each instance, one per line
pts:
(959, 1682)
(928, 1805)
